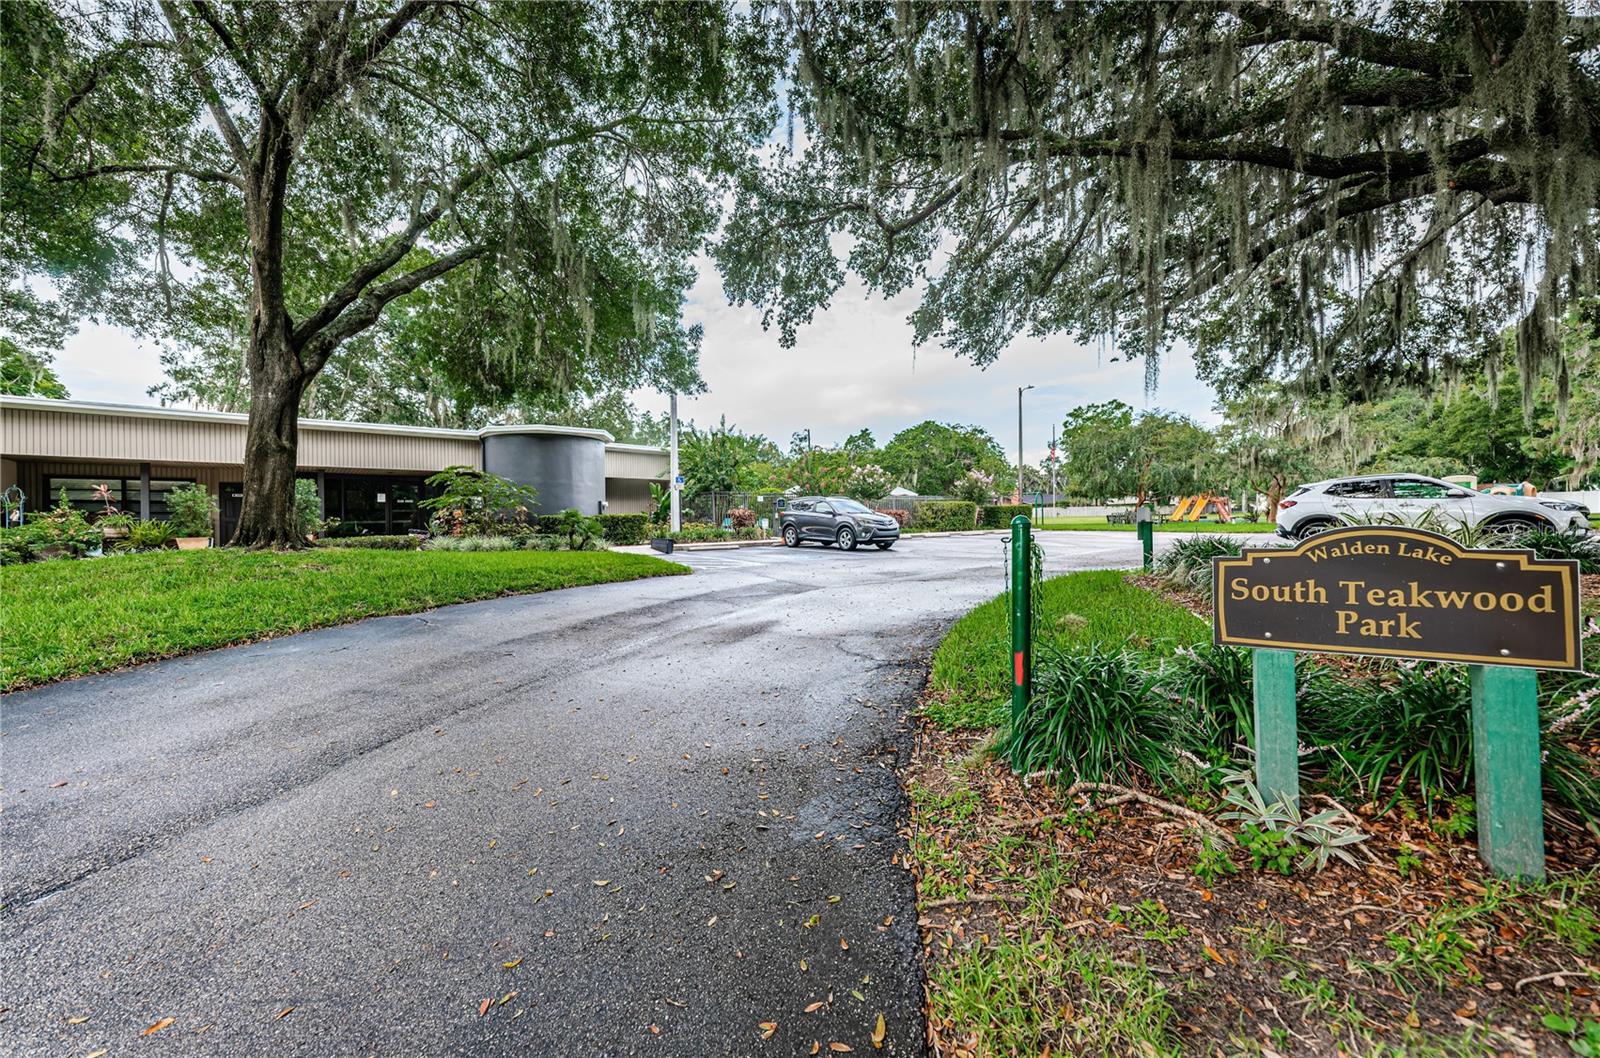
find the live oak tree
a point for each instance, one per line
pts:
(1338, 195)
(516, 187)
(931, 457)
(1113, 451)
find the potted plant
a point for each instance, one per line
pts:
(191, 510)
(112, 523)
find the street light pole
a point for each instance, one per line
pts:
(1020, 391)
(677, 514)
(1053, 493)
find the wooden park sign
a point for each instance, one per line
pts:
(1392, 591)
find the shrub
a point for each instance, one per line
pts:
(623, 529)
(999, 515)
(63, 532)
(18, 545)
(476, 503)
(307, 507)
(1556, 543)
(581, 530)
(192, 510)
(741, 517)
(867, 483)
(378, 543)
(1413, 730)
(1095, 717)
(470, 543)
(702, 533)
(901, 518)
(148, 536)
(947, 515)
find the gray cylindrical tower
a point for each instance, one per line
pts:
(566, 464)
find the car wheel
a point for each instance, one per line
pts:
(1310, 529)
(1508, 528)
(791, 536)
(847, 539)
(886, 545)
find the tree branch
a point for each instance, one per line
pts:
(401, 244)
(210, 175)
(207, 86)
(236, 53)
(1276, 25)
(343, 68)
(364, 312)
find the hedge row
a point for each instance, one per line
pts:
(624, 530)
(999, 515)
(947, 515)
(378, 543)
(619, 529)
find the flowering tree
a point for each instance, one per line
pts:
(974, 485)
(868, 482)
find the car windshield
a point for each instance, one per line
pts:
(850, 507)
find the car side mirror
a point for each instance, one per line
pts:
(1458, 494)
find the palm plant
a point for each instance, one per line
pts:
(580, 529)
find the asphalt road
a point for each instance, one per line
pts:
(638, 818)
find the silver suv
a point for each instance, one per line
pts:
(1415, 500)
(836, 520)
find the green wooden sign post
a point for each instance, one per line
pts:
(1394, 591)
(1506, 772)
(1277, 730)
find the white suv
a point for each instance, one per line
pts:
(1415, 500)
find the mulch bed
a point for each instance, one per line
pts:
(1245, 938)
(1332, 922)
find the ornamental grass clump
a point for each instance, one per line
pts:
(1551, 543)
(1409, 729)
(1187, 563)
(1096, 716)
(1215, 684)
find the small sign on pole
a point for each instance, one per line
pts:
(1144, 522)
(1392, 591)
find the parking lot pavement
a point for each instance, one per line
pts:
(657, 817)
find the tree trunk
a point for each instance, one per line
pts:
(271, 446)
(1274, 497)
(277, 376)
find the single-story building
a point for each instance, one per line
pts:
(369, 475)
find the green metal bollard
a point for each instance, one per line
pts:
(1144, 521)
(1021, 619)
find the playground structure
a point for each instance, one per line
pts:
(1193, 508)
(1494, 488)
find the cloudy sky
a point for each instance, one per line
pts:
(854, 366)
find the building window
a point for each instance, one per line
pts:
(374, 504)
(124, 494)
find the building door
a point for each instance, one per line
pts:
(230, 498)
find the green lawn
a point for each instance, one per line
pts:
(1166, 527)
(67, 618)
(971, 677)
